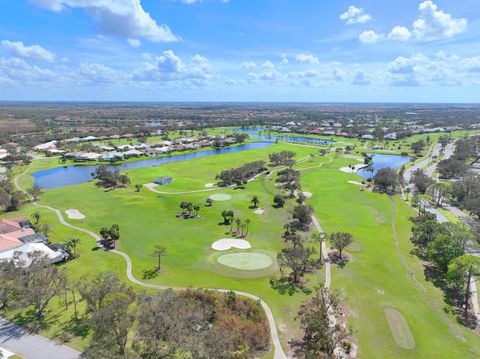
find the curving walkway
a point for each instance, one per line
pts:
(278, 350)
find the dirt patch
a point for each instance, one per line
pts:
(401, 333)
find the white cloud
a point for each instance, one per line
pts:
(471, 64)
(360, 78)
(34, 52)
(284, 62)
(303, 74)
(370, 37)
(434, 24)
(97, 74)
(134, 42)
(268, 65)
(354, 15)
(307, 59)
(169, 67)
(19, 70)
(400, 33)
(125, 18)
(249, 64)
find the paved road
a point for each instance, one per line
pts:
(32, 346)
(409, 171)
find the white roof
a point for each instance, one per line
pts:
(46, 145)
(89, 138)
(21, 253)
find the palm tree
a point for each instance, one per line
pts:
(72, 244)
(319, 237)
(196, 208)
(36, 216)
(255, 200)
(158, 252)
(247, 224)
(238, 221)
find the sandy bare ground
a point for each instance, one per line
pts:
(227, 243)
(209, 185)
(74, 214)
(259, 211)
(352, 170)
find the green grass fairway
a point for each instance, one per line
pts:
(245, 261)
(383, 273)
(219, 197)
(400, 330)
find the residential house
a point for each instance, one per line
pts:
(18, 242)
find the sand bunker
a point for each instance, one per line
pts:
(355, 182)
(352, 170)
(227, 243)
(245, 261)
(209, 185)
(220, 197)
(307, 194)
(259, 211)
(74, 214)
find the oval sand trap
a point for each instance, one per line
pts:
(245, 261)
(307, 194)
(220, 197)
(400, 330)
(74, 214)
(209, 185)
(259, 211)
(227, 243)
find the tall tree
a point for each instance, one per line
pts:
(159, 252)
(464, 268)
(340, 241)
(320, 338)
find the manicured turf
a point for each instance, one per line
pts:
(245, 261)
(383, 274)
(400, 330)
(220, 197)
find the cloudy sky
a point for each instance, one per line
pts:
(240, 50)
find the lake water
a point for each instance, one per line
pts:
(294, 139)
(72, 175)
(383, 161)
(250, 129)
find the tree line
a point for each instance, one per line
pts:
(125, 324)
(240, 175)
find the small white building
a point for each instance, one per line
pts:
(46, 146)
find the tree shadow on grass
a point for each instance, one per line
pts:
(149, 274)
(77, 327)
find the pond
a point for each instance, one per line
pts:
(78, 174)
(294, 139)
(383, 161)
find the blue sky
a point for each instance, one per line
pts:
(240, 50)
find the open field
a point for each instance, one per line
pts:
(382, 274)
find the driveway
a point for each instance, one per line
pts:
(32, 346)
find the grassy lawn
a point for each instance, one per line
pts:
(147, 219)
(383, 274)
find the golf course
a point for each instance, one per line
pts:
(392, 310)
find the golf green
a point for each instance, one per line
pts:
(220, 197)
(245, 261)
